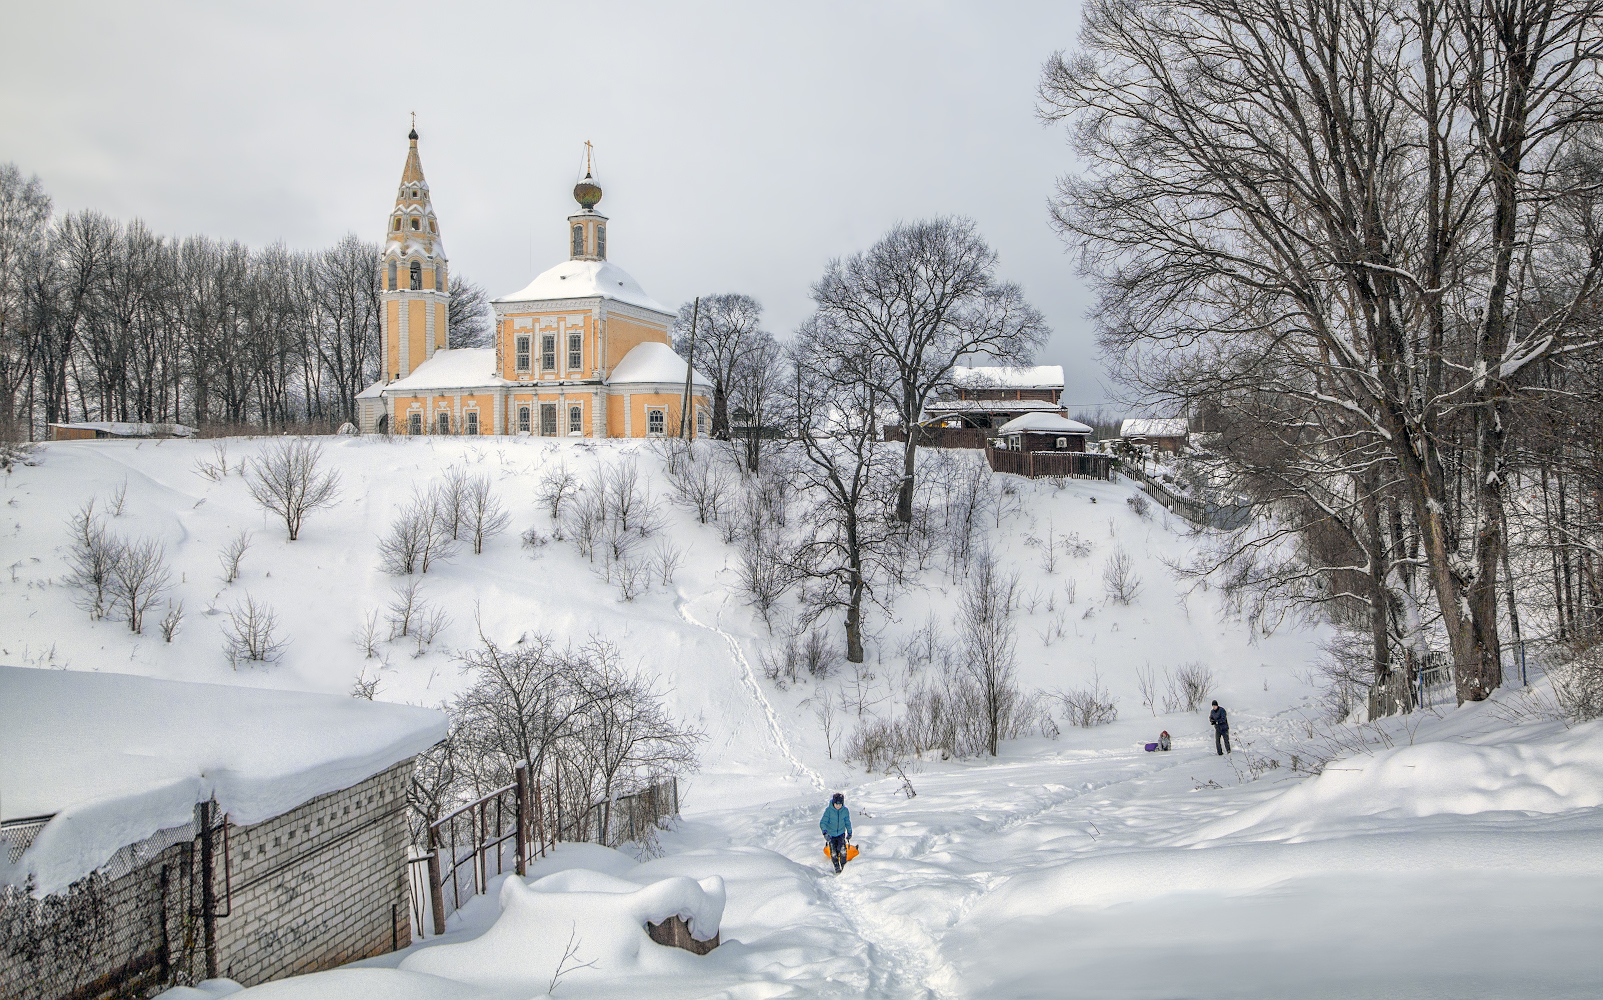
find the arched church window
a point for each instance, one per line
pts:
(391, 285)
(397, 226)
(416, 226)
(417, 276)
(439, 278)
(578, 240)
(431, 226)
(601, 241)
(575, 420)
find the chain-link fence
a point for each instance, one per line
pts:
(130, 929)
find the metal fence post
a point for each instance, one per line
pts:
(523, 819)
(208, 892)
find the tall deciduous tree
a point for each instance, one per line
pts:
(1360, 191)
(728, 331)
(921, 299)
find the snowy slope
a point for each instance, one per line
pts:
(1076, 866)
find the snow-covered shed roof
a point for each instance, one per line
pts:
(451, 368)
(1043, 423)
(580, 279)
(373, 391)
(651, 361)
(1159, 427)
(113, 758)
(124, 428)
(1010, 377)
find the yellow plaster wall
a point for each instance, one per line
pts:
(440, 321)
(416, 352)
(509, 354)
(623, 334)
(641, 401)
(615, 408)
(392, 338)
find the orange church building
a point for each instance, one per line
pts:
(582, 351)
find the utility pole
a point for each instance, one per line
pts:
(685, 426)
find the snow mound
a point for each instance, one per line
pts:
(1430, 779)
(604, 917)
(113, 758)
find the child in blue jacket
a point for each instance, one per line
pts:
(837, 826)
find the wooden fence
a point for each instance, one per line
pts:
(504, 829)
(941, 437)
(1051, 464)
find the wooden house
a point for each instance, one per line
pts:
(1042, 432)
(987, 398)
(1160, 433)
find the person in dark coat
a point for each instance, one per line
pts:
(837, 826)
(1221, 729)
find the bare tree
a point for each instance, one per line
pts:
(846, 477)
(1267, 196)
(990, 643)
(557, 486)
(1119, 579)
(286, 480)
(728, 327)
(485, 515)
(472, 322)
(139, 580)
(921, 300)
(92, 559)
(251, 633)
(232, 554)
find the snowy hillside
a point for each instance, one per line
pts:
(1079, 865)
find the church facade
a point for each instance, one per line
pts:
(582, 351)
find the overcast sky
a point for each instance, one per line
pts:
(740, 146)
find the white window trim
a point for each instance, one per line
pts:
(657, 409)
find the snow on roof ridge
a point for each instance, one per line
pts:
(582, 279)
(452, 368)
(1049, 423)
(1154, 427)
(652, 361)
(1011, 376)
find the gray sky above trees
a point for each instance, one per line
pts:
(740, 146)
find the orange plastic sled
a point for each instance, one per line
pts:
(851, 852)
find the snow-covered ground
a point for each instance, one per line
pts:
(1461, 861)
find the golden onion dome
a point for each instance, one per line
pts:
(587, 192)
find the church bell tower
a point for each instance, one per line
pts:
(413, 276)
(587, 228)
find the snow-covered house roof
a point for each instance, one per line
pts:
(652, 362)
(1043, 423)
(1010, 377)
(580, 279)
(1159, 427)
(113, 758)
(990, 406)
(451, 369)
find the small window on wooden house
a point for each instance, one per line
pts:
(417, 276)
(1063, 442)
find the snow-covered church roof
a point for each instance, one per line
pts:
(451, 368)
(579, 279)
(1043, 423)
(653, 362)
(113, 758)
